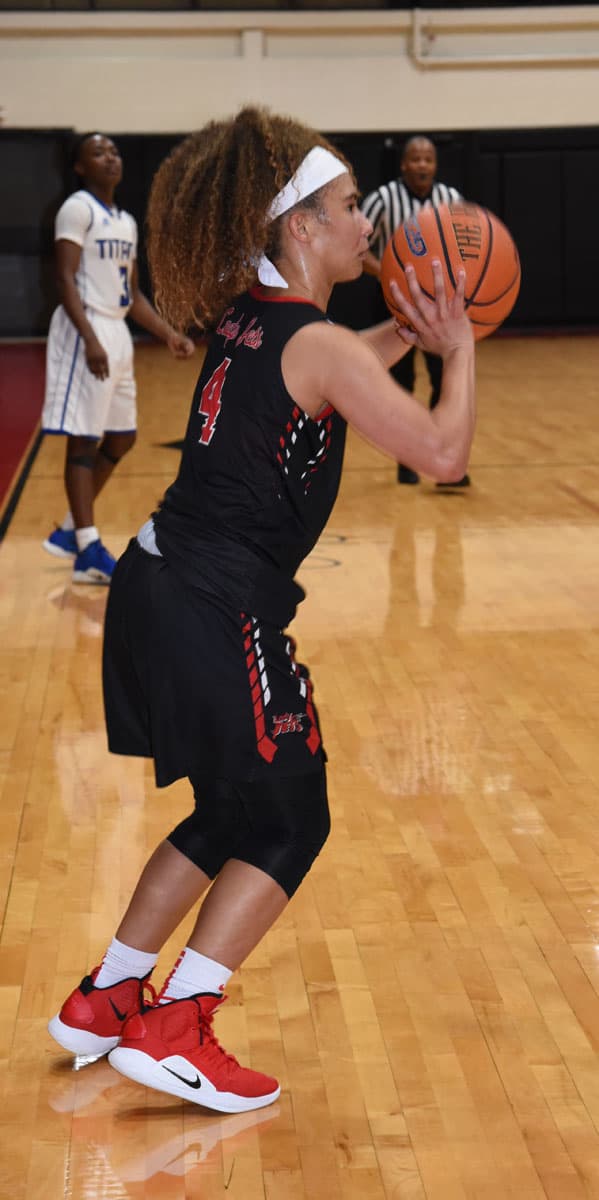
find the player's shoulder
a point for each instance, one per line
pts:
(316, 360)
(79, 202)
(326, 338)
(385, 190)
(75, 218)
(374, 199)
(394, 192)
(447, 191)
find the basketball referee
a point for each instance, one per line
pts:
(386, 209)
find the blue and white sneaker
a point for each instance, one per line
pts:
(94, 564)
(62, 543)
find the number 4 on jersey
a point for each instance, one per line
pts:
(210, 401)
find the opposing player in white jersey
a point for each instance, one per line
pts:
(90, 385)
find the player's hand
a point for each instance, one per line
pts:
(179, 345)
(96, 358)
(438, 326)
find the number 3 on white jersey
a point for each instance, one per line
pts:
(125, 296)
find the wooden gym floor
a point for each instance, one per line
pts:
(429, 1000)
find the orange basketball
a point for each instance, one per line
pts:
(459, 235)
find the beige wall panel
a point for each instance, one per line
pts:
(168, 72)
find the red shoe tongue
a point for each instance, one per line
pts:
(208, 1002)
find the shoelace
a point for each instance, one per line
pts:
(206, 1030)
(146, 986)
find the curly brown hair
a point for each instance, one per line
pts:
(207, 216)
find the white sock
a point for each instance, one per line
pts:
(86, 536)
(68, 523)
(194, 973)
(123, 962)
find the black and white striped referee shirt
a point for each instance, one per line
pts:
(390, 204)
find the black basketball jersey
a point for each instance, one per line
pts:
(258, 477)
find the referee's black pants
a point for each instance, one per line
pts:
(404, 373)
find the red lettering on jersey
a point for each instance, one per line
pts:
(229, 329)
(252, 338)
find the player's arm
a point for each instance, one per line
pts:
(327, 364)
(145, 314)
(68, 257)
(386, 341)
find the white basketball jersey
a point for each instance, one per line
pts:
(108, 240)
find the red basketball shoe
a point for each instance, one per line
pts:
(92, 1018)
(172, 1047)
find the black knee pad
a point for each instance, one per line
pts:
(82, 460)
(278, 826)
(114, 459)
(111, 458)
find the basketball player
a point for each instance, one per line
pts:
(386, 209)
(251, 222)
(90, 387)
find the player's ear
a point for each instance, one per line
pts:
(299, 225)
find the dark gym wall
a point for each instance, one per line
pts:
(542, 183)
(33, 184)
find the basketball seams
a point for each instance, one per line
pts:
(444, 247)
(487, 319)
(500, 295)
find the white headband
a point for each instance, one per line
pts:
(317, 168)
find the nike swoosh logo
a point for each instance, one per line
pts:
(119, 1015)
(192, 1083)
